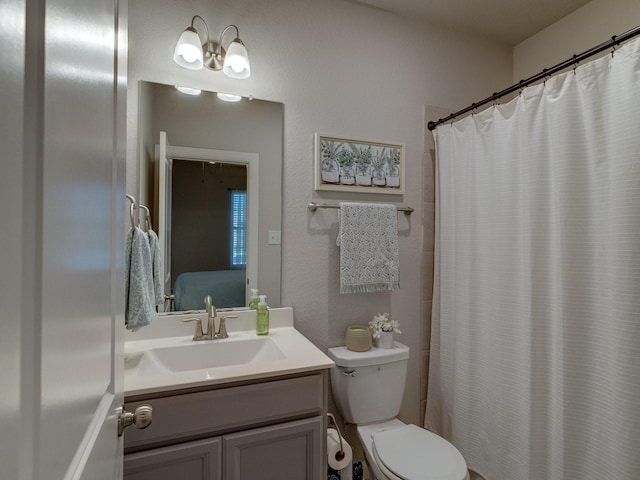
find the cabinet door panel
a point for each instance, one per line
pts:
(288, 450)
(244, 406)
(200, 460)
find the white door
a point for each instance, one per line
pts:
(63, 245)
(83, 230)
(163, 173)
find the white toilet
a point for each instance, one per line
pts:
(368, 389)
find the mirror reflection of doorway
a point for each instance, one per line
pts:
(208, 228)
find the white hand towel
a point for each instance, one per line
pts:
(139, 306)
(368, 241)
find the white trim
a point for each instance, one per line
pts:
(251, 160)
(100, 420)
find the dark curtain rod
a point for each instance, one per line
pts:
(615, 40)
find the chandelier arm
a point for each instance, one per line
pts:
(225, 31)
(193, 20)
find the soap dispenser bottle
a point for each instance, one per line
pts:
(253, 303)
(262, 320)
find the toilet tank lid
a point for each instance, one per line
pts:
(343, 357)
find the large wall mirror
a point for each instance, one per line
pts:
(203, 164)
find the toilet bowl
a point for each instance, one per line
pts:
(368, 389)
(397, 451)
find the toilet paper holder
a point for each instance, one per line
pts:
(340, 455)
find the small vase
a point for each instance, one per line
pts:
(385, 340)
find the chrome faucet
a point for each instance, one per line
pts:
(211, 333)
(211, 317)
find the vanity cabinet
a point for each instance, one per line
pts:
(200, 460)
(289, 450)
(259, 431)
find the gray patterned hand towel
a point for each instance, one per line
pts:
(139, 301)
(368, 241)
(158, 272)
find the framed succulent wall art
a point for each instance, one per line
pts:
(349, 165)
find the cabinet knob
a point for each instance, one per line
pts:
(140, 418)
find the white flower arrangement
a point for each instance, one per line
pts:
(382, 323)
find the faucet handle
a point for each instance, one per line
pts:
(222, 330)
(199, 334)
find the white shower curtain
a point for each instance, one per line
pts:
(535, 351)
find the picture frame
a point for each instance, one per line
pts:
(363, 166)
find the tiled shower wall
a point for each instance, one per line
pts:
(428, 232)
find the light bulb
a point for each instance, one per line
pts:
(236, 61)
(188, 52)
(229, 97)
(188, 90)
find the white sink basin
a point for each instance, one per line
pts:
(163, 357)
(206, 354)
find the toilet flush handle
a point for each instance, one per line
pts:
(350, 373)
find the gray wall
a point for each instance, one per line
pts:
(588, 26)
(145, 145)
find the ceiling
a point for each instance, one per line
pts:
(504, 21)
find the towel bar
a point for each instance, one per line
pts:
(314, 206)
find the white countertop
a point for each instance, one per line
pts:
(300, 355)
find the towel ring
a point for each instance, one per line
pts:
(132, 210)
(147, 217)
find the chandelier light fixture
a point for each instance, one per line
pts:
(192, 54)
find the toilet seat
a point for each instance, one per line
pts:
(413, 453)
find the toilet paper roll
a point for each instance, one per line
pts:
(337, 459)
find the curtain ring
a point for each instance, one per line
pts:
(613, 45)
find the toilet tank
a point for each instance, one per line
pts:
(368, 386)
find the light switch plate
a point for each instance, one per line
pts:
(274, 237)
